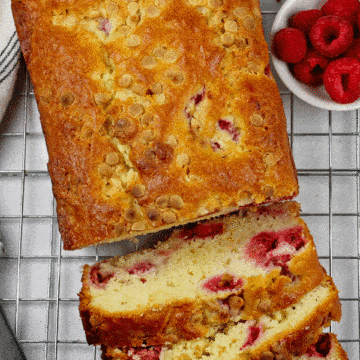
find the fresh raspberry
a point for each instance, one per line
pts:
(331, 36)
(310, 71)
(354, 50)
(346, 9)
(342, 80)
(304, 20)
(289, 45)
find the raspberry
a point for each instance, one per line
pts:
(253, 334)
(342, 80)
(347, 9)
(223, 282)
(141, 268)
(310, 71)
(201, 230)
(354, 50)
(331, 35)
(304, 20)
(289, 45)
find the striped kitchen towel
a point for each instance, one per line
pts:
(9, 55)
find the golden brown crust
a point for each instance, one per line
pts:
(134, 109)
(188, 320)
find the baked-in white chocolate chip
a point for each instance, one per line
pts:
(133, 41)
(148, 62)
(249, 23)
(183, 159)
(170, 56)
(176, 202)
(125, 81)
(227, 39)
(112, 158)
(256, 120)
(156, 88)
(231, 26)
(133, 7)
(159, 51)
(152, 11)
(138, 190)
(215, 3)
(139, 226)
(171, 140)
(162, 201)
(169, 217)
(136, 109)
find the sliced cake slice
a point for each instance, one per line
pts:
(233, 268)
(282, 335)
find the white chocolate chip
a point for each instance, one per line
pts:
(124, 30)
(133, 7)
(148, 62)
(138, 190)
(112, 8)
(256, 120)
(183, 159)
(241, 11)
(125, 81)
(176, 202)
(170, 56)
(162, 201)
(169, 217)
(161, 99)
(136, 109)
(138, 89)
(138, 226)
(159, 51)
(249, 23)
(227, 39)
(112, 158)
(152, 11)
(231, 26)
(156, 88)
(171, 140)
(133, 41)
(105, 170)
(215, 3)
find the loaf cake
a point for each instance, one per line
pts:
(236, 267)
(275, 336)
(155, 112)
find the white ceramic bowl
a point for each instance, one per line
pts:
(314, 96)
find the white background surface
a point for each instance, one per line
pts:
(40, 281)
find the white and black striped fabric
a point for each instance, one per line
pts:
(9, 55)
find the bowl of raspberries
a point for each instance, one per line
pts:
(315, 49)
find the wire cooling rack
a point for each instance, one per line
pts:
(40, 281)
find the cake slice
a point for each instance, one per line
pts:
(155, 112)
(282, 335)
(232, 268)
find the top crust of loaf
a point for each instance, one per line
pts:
(155, 113)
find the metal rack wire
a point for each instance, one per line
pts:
(40, 281)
